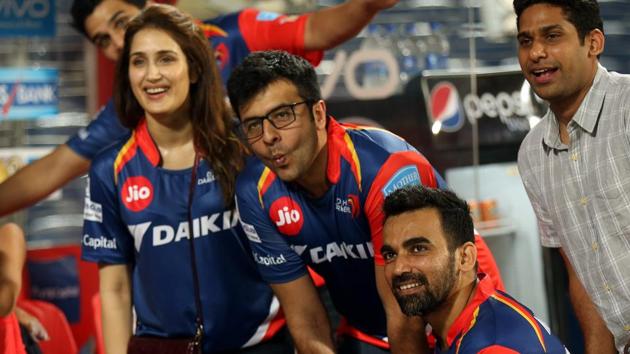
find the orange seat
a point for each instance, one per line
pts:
(61, 339)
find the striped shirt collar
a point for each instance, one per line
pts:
(586, 117)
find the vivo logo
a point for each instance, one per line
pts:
(28, 8)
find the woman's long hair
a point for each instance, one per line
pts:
(213, 135)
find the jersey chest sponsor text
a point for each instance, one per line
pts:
(332, 250)
(203, 226)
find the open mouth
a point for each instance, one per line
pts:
(409, 286)
(541, 72)
(155, 90)
(544, 75)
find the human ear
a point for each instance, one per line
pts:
(595, 41)
(319, 113)
(467, 256)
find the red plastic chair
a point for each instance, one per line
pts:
(61, 339)
(98, 325)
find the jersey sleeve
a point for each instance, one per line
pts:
(399, 170)
(266, 30)
(99, 134)
(106, 239)
(277, 261)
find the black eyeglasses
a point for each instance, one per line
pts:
(279, 117)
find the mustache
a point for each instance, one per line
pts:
(409, 278)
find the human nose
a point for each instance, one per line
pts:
(153, 72)
(537, 51)
(270, 133)
(401, 265)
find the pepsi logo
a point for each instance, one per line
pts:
(287, 215)
(446, 112)
(137, 193)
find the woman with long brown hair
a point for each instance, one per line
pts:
(173, 178)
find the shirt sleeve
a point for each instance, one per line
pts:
(99, 134)
(106, 239)
(266, 30)
(401, 169)
(276, 260)
(548, 236)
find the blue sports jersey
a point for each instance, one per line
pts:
(338, 235)
(136, 214)
(495, 323)
(233, 37)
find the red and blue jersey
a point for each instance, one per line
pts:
(233, 37)
(136, 213)
(495, 323)
(338, 234)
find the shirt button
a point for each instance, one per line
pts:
(574, 156)
(583, 200)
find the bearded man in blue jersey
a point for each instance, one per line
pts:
(431, 266)
(313, 197)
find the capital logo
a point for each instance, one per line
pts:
(446, 112)
(137, 193)
(287, 215)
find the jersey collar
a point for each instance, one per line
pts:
(146, 143)
(341, 146)
(467, 318)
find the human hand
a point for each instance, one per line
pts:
(32, 324)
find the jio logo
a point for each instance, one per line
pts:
(287, 215)
(137, 193)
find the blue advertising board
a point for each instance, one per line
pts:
(27, 18)
(28, 93)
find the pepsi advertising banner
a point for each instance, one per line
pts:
(57, 281)
(501, 107)
(28, 93)
(27, 18)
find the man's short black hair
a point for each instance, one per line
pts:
(82, 9)
(583, 14)
(260, 69)
(454, 213)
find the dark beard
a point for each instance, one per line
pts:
(428, 300)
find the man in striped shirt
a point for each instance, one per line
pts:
(575, 164)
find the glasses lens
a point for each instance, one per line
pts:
(282, 116)
(252, 128)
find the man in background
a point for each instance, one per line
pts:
(575, 163)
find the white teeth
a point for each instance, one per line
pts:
(409, 286)
(155, 90)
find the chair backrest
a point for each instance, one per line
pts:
(61, 339)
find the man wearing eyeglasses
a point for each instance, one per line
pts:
(313, 197)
